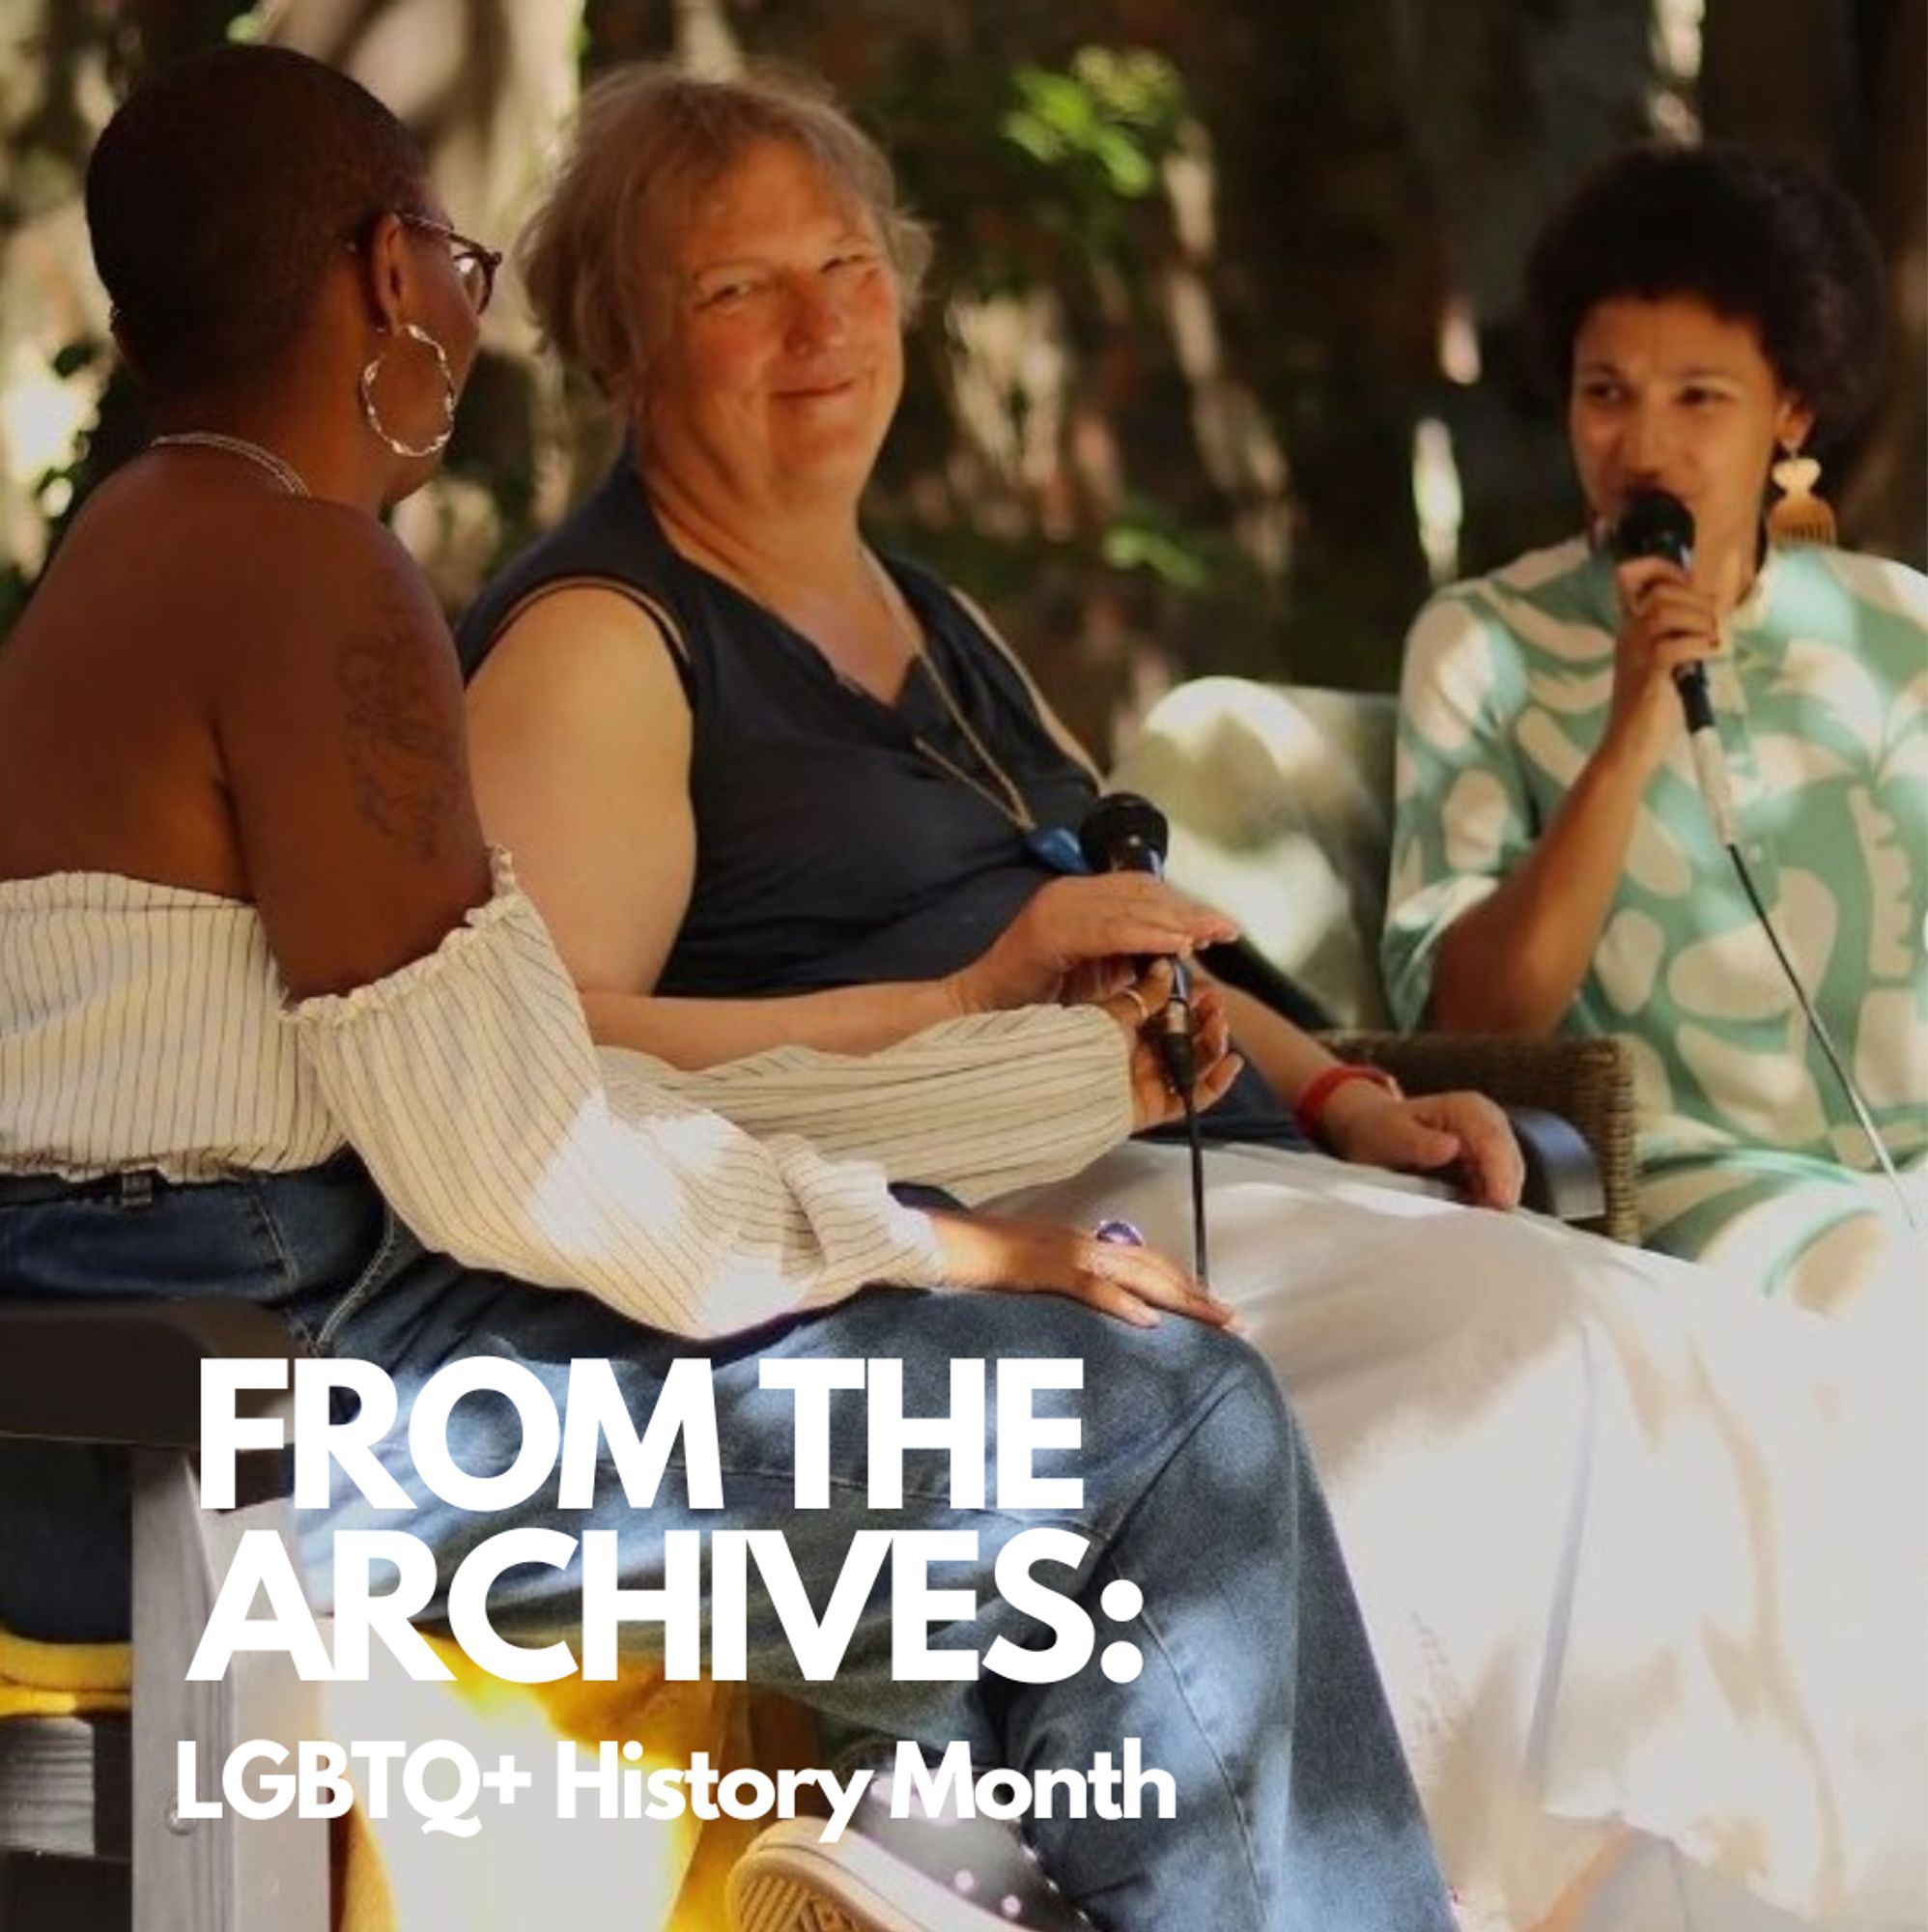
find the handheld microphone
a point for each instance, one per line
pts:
(1124, 832)
(1654, 523)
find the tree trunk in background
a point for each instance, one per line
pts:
(1509, 106)
(1333, 280)
(1842, 85)
(1384, 164)
(1884, 500)
(1780, 73)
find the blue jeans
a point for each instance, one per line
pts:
(1257, 1691)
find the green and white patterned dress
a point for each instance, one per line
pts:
(1750, 1156)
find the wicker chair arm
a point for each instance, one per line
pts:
(1588, 1083)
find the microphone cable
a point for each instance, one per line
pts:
(1124, 832)
(1175, 1054)
(1656, 523)
(1818, 1028)
(1200, 1261)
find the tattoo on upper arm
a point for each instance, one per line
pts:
(402, 738)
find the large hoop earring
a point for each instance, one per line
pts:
(416, 332)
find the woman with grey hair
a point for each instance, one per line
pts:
(769, 786)
(729, 264)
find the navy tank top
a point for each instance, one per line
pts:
(831, 849)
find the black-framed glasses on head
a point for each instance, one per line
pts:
(474, 262)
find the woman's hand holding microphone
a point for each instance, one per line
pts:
(1075, 940)
(1665, 623)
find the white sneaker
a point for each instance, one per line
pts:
(898, 1875)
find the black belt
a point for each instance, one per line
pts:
(131, 1187)
(137, 1186)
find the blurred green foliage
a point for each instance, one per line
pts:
(1194, 266)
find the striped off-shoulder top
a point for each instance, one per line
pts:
(146, 1025)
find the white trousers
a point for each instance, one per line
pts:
(1640, 1553)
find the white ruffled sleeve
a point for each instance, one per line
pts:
(468, 1084)
(979, 1106)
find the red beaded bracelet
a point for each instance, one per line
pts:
(1309, 1109)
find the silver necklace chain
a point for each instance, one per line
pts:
(1008, 799)
(1001, 793)
(279, 467)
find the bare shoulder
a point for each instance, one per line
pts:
(342, 573)
(351, 668)
(361, 612)
(584, 635)
(581, 664)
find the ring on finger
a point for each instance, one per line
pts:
(1137, 999)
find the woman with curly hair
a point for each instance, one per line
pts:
(1711, 315)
